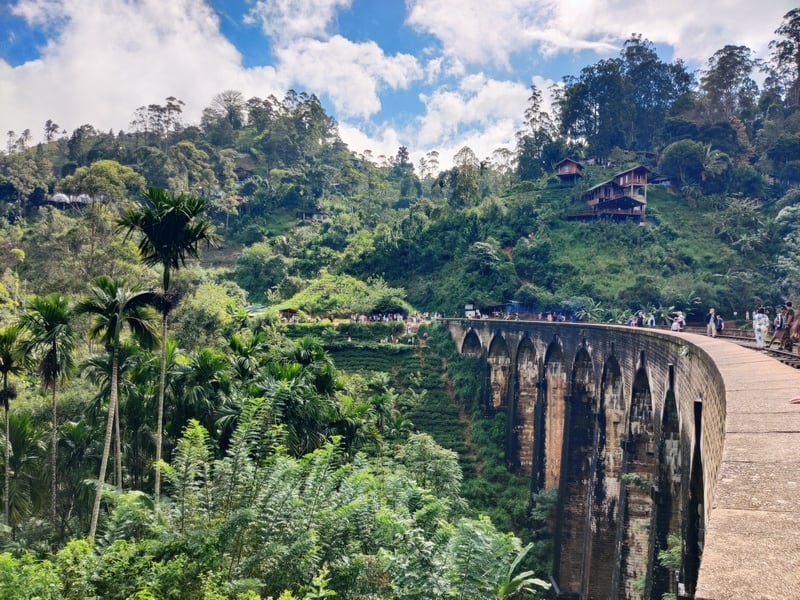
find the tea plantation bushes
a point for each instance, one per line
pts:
(329, 332)
(417, 374)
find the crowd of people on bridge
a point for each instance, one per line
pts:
(785, 328)
(782, 330)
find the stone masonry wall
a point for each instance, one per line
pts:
(607, 531)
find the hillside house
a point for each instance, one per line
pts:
(622, 197)
(61, 200)
(568, 170)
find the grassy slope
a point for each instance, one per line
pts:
(623, 265)
(626, 265)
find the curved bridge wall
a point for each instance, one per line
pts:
(630, 426)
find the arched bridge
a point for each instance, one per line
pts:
(656, 441)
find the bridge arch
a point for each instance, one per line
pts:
(555, 412)
(639, 470)
(580, 439)
(604, 510)
(667, 494)
(526, 380)
(471, 346)
(499, 360)
(694, 527)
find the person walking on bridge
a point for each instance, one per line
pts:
(788, 328)
(761, 327)
(784, 335)
(711, 322)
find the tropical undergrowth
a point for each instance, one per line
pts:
(261, 523)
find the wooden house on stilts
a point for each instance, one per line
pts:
(622, 197)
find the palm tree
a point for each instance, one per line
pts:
(115, 305)
(48, 321)
(77, 464)
(316, 365)
(28, 490)
(97, 370)
(170, 228)
(12, 362)
(246, 352)
(687, 300)
(141, 385)
(356, 423)
(202, 383)
(302, 382)
(137, 384)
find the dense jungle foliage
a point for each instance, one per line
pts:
(194, 406)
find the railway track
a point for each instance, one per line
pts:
(787, 358)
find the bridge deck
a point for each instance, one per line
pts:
(752, 546)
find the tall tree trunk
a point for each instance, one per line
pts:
(7, 486)
(118, 438)
(53, 456)
(112, 404)
(160, 425)
(114, 451)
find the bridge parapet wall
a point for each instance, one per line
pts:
(727, 398)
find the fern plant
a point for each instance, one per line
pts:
(189, 475)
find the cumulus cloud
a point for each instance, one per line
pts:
(483, 34)
(114, 55)
(474, 31)
(480, 112)
(41, 12)
(351, 74)
(285, 20)
(693, 29)
(117, 55)
(382, 141)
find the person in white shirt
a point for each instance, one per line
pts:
(761, 327)
(711, 323)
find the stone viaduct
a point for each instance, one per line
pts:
(654, 441)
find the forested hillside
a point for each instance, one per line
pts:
(193, 401)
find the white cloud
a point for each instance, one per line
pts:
(116, 55)
(107, 57)
(482, 113)
(350, 74)
(384, 141)
(40, 11)
(545, 88)
(285, 20)
(433, 70)
(694, 29)
(477, 33)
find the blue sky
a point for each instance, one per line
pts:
(426, 74)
